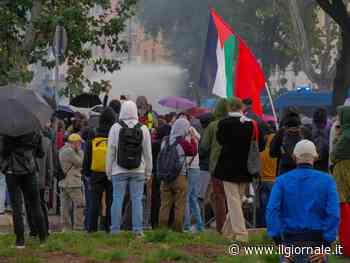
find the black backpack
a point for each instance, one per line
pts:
(169, 162)
(130, 146)
(291, 137)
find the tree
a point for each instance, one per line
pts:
(27, 30)
(313, 41)
(337, 10)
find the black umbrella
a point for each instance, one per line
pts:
(64, 112)
(86, 100)
(22, 111)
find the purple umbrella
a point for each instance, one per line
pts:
(177, 103)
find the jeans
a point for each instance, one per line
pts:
(302, 257)
(264, 196)
(100, 185)
(26, 184)
(192, 204)
(135, 182)
(2, 193)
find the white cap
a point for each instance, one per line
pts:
(305, 150)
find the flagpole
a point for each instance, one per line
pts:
(272, 106)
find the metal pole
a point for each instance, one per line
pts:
(57, 68)
(272, 106)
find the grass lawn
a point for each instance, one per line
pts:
(156, 246)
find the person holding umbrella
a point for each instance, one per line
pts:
(21, 178)
(22, 144)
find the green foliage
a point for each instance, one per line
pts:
(27, 31)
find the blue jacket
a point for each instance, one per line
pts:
(303, 200)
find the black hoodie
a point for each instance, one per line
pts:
(107, 119)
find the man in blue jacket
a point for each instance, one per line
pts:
(303, 209)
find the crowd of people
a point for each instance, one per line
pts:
(139, 170)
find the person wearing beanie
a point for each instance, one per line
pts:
(71, 158)
(303, 210)
(282, 145)
(94, 168)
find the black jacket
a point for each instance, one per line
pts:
(286, 162)
(235, 138)
(19, 153)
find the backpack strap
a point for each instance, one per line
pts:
(138, 126)
(123, 124)
(102, 141)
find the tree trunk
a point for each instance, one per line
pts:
(342, 79)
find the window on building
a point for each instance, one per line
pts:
(145, 55)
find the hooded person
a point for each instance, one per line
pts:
(174, 193)
(341, 161)
(45, 167)
(129, 163)
(94, 167)
(282, 145)
(210, 144)
(320, 137)
(159, 134)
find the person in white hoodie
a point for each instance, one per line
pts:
(122, 177)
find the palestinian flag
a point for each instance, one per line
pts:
(229, 67)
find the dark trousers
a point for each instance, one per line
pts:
(220, 203)
(88, 204)
(98, 187)
(27, 185)
(264, 191)
(306, 239)
(155, 202)
(44, 209)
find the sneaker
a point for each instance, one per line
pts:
(20, 244)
